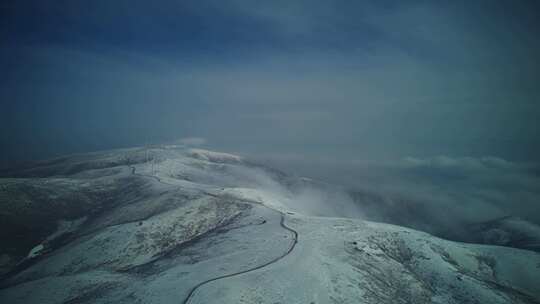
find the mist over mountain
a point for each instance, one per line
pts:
(440, 195)
(371, 151)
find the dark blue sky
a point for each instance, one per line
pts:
(354, 80)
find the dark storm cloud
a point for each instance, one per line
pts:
(319, 79)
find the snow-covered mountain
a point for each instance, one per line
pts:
(171, 224)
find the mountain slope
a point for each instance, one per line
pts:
(175, 225)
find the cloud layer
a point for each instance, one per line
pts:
(355, 81)
(442, 195)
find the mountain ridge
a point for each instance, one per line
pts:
(171, 224)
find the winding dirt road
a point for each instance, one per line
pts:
(293, 233)
(289, 250)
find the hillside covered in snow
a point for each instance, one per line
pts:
(170, 224)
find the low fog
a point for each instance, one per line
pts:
(478, 200)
